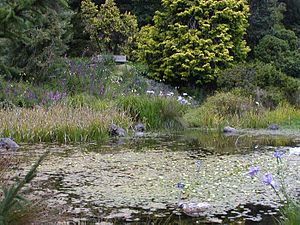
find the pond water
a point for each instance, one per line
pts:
(133, 181)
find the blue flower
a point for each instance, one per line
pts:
(180, 185)
(277, 154)
(253, 171)
(268, 180)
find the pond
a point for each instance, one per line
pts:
(133, 181)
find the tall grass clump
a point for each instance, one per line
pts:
(14, 208)
(155, 112)
(290, 214)
(59, 123)
(234, 109)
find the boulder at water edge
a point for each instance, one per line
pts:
(229, 129)
(139, 127)
(116, 131)
(194, 209)
(8, 144)
(273, 127)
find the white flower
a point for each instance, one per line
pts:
(150, 92)
(170, 94)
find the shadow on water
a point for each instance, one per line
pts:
(114, 182)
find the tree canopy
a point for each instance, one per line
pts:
(192, 40)
(110, 29)
(32, 32)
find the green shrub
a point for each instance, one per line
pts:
(236, 110)
(262, 81)
(282, 50)
(155, 112)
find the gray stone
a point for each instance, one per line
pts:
(116, 131)
(194, 209)
(273, 127)
(139, 127)
(229, 129)
(139, 134)
(8, 144)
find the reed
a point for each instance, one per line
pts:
(155, 112)
(14, 208)
(60, 123)
(206, 116)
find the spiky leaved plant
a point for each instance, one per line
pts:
(12, 201)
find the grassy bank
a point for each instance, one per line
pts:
(225, 109)
(59, 123)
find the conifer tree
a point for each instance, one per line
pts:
(32, 33)
(110, 29)
(192, 40)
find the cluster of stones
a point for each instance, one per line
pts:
(116, 131)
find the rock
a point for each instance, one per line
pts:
(139, 134)
(8, 143)
(273, 127)
(116, 131)
(139, 127)
(229, 129)
(193, 209)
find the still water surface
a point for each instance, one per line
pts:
(133, 181)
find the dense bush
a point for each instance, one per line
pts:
(192, 40)
(282, 50)
(264, 82)
(234, 109)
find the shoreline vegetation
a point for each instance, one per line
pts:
(70, 120)
(39, 113)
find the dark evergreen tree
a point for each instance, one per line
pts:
(33, 33)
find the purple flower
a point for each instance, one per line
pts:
(180, 186)
(278, 154)
(253, 171)
(268, 180)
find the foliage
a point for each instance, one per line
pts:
(191, 41)
(107, 27)
(264, 16)
(25, 94)
(13, 206)
(264, 82)
(155, 112)
(236, 110)
(60, 123)
(143, 9)
(292, 15)
(281, 49)
(291, 214)
(23, 56)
